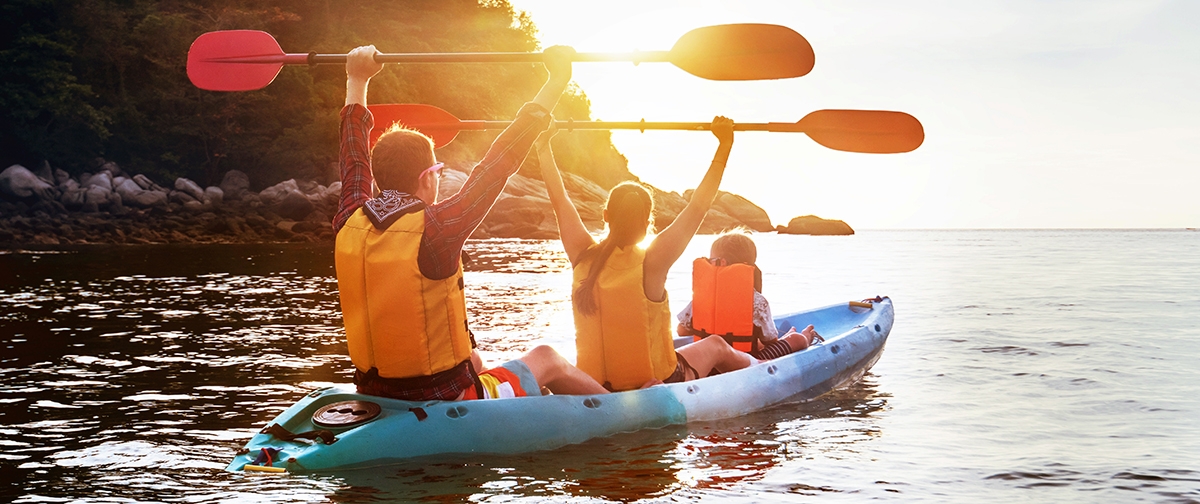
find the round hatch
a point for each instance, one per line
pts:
(346, 413)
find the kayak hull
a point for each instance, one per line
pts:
(410, 429)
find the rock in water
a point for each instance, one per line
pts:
(751, 215)
(17, 182)
(813, 225)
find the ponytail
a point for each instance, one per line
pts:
(629, 209)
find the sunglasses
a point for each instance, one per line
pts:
(436, 168)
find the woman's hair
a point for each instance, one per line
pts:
(734, 247)
(399, 157)
(628, 212)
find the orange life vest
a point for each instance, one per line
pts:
(628, 341)
(397, 320)
(723, 303)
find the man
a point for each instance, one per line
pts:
(398, 254)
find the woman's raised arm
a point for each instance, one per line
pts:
(574, 234)
(671, 242)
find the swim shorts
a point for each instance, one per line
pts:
(511, 379)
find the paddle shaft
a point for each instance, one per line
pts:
(472, 125)
(497, 57)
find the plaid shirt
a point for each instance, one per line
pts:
(449, 222)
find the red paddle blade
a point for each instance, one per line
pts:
(870, 131)
(234, 60)
(743, 52)
(434, 122)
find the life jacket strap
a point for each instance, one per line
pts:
(283, 434)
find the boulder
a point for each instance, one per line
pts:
(180, 197)
(102, 180)
(522, 186)
(112, 169)
(191, 188)
(333, 193)
(61, 177)
(751, 215)
(147, 199)
(667, 206)
(95, 198)
(72, 195)
(580, 188)
(133, 195)
(717, 221)
(277, 192)
(517, 217)
(235, 183)
(45, 173)
(293, 206)
(213, 194)
(17, 182)
(731, 212)
(147, 184)
(452, 181)
(813, 225)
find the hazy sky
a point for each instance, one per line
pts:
(1056, 113)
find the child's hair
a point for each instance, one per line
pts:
(734, 247)
(628, 211)
(399, 157)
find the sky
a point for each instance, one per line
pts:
(1037, 114)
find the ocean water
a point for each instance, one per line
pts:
(1030, 366)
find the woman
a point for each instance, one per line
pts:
(623, 323)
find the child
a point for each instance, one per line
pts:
(762, 341)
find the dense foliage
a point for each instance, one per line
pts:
(81, 79)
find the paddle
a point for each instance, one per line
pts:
(245, 60)
(870, 131)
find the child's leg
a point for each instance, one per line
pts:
(801, 340)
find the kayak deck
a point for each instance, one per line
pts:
(408, 429)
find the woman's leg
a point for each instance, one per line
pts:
(715, 352)
(552, 371)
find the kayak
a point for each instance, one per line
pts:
(335, 429)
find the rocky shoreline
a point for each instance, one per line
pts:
(49, 207)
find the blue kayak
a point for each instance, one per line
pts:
(390, 431)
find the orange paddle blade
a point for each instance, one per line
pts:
(870, 131)
(743, 52)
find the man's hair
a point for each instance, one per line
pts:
(399, 157)
(734, 247)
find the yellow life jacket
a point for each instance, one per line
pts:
(723, 303)
(397, 321)
(628, 341)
